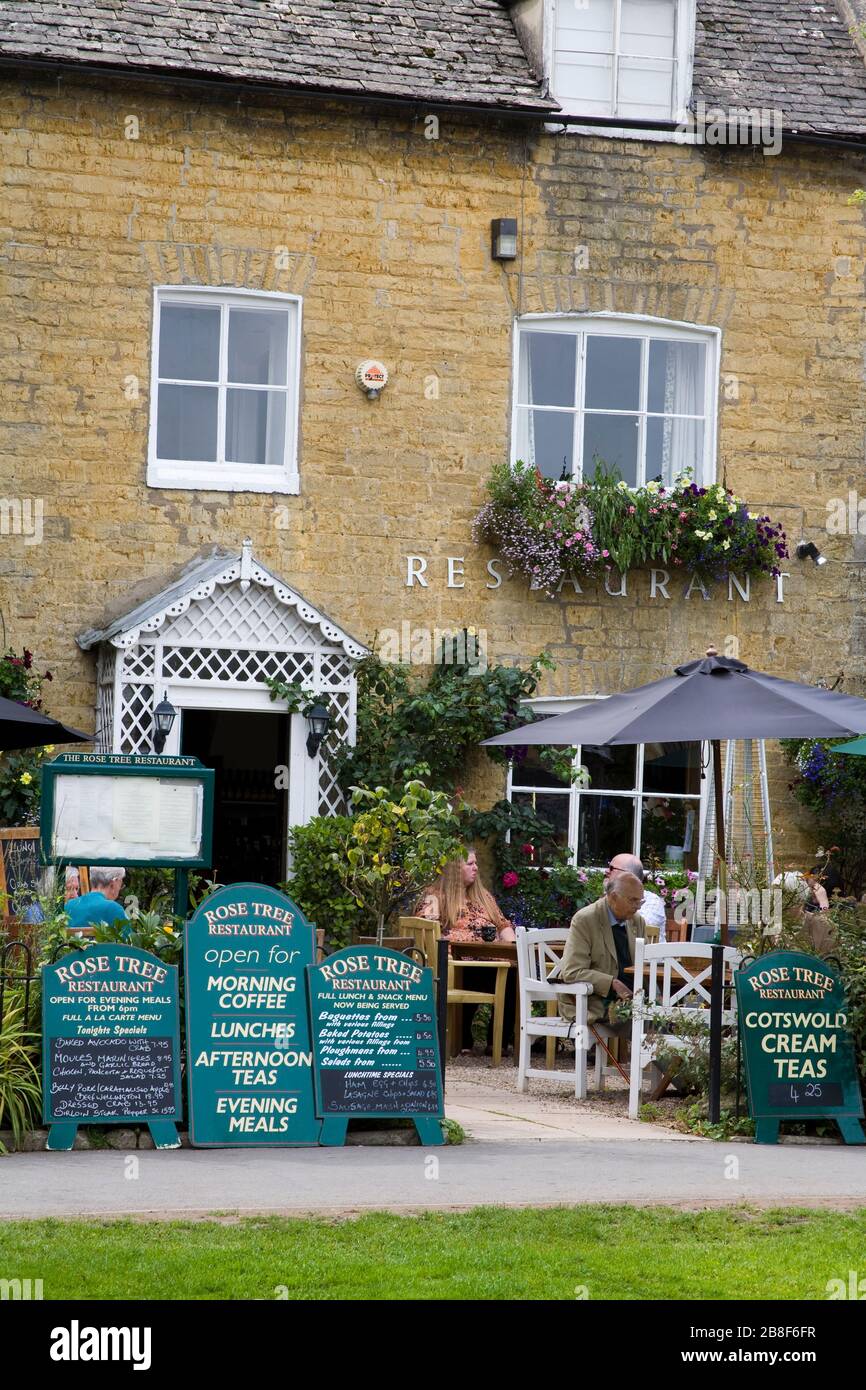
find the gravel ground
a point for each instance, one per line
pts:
(466, 1070)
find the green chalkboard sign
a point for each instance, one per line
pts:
(110, 1043)
(249, 1062)
(375, 1047)
(799, 1054)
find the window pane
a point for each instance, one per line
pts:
(256, 427)
(547, 362)
(672, 767)
(552, 808)
(587, 86)
(257, 346)
(611, 769)
(645, 88)
(605, 828)
(611, 440)
(545, 439)
(647, 28)
(612, 373)
(665, 823)
(673, 445)
(677, 375)
(186, 423)
(530, 772)
(189, 344)
(585, 28)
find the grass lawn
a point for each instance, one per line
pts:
(490, 1253)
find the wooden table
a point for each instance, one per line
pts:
(491, 953)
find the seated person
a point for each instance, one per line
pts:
(816, 926)
(465, 909)
(601, 944)
(99, 905)
(653, 909)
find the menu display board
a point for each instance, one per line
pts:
(111, 1043)
(136, 809)
(375, 1048)
(249, 1061)
(799, 1053)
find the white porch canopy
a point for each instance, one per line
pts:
(209, 641)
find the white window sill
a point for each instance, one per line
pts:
(667, 137)
(231, 477)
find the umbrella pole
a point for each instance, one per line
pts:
(720, 835)
(718, 968)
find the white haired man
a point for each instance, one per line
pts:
(653, 908)
(100, 905)
(600, 946)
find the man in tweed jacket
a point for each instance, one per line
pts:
(601, 944)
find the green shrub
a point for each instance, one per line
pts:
(20, 1083)
(316, 885)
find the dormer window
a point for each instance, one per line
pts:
(625, 58)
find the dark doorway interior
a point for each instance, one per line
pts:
(245, 750)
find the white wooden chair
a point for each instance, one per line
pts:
(539, 964)
(672, 980)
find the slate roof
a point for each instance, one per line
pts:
(796, 56)
(461, 52)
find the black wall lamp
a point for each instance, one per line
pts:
(163, 718)
(318, 721)
(808, 550)
(503, 238)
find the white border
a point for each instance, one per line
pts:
(615, 324)
(206, 477)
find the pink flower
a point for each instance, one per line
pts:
(605, 553)
(527, 849)
(631, 511)
(684, 516)
(569, 541)
(583, 876)
(510, 880)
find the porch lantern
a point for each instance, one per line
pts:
(318, 721)
(163, 718)
(503, 238)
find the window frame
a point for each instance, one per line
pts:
(683, 59)
(616, 325)
(637, 795)
(202, 475)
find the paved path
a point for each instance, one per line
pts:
(490, 1113)
(190, 1182)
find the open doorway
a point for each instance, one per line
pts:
(244, 749)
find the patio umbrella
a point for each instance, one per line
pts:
(857, 747)
(715, 698)
(23, 727)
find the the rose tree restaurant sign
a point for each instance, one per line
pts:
(249, 1061)
(111, 1043)
(374, 1041)
(799, 1054)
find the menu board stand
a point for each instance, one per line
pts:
(375, 1048)
(111, 1043)
(249, 1062)
(797, 1046)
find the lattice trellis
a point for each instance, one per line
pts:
(233, 630)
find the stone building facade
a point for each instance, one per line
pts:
(131, 172)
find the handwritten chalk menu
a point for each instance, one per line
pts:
(111, 1043)
(249, 1061)
(111, 808)
(799, 1054)
(375, 1047)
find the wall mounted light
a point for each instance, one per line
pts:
(318, 721)
(163, 718)
(503, 238)
(808, 550)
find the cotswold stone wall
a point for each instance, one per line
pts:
(385, 233)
